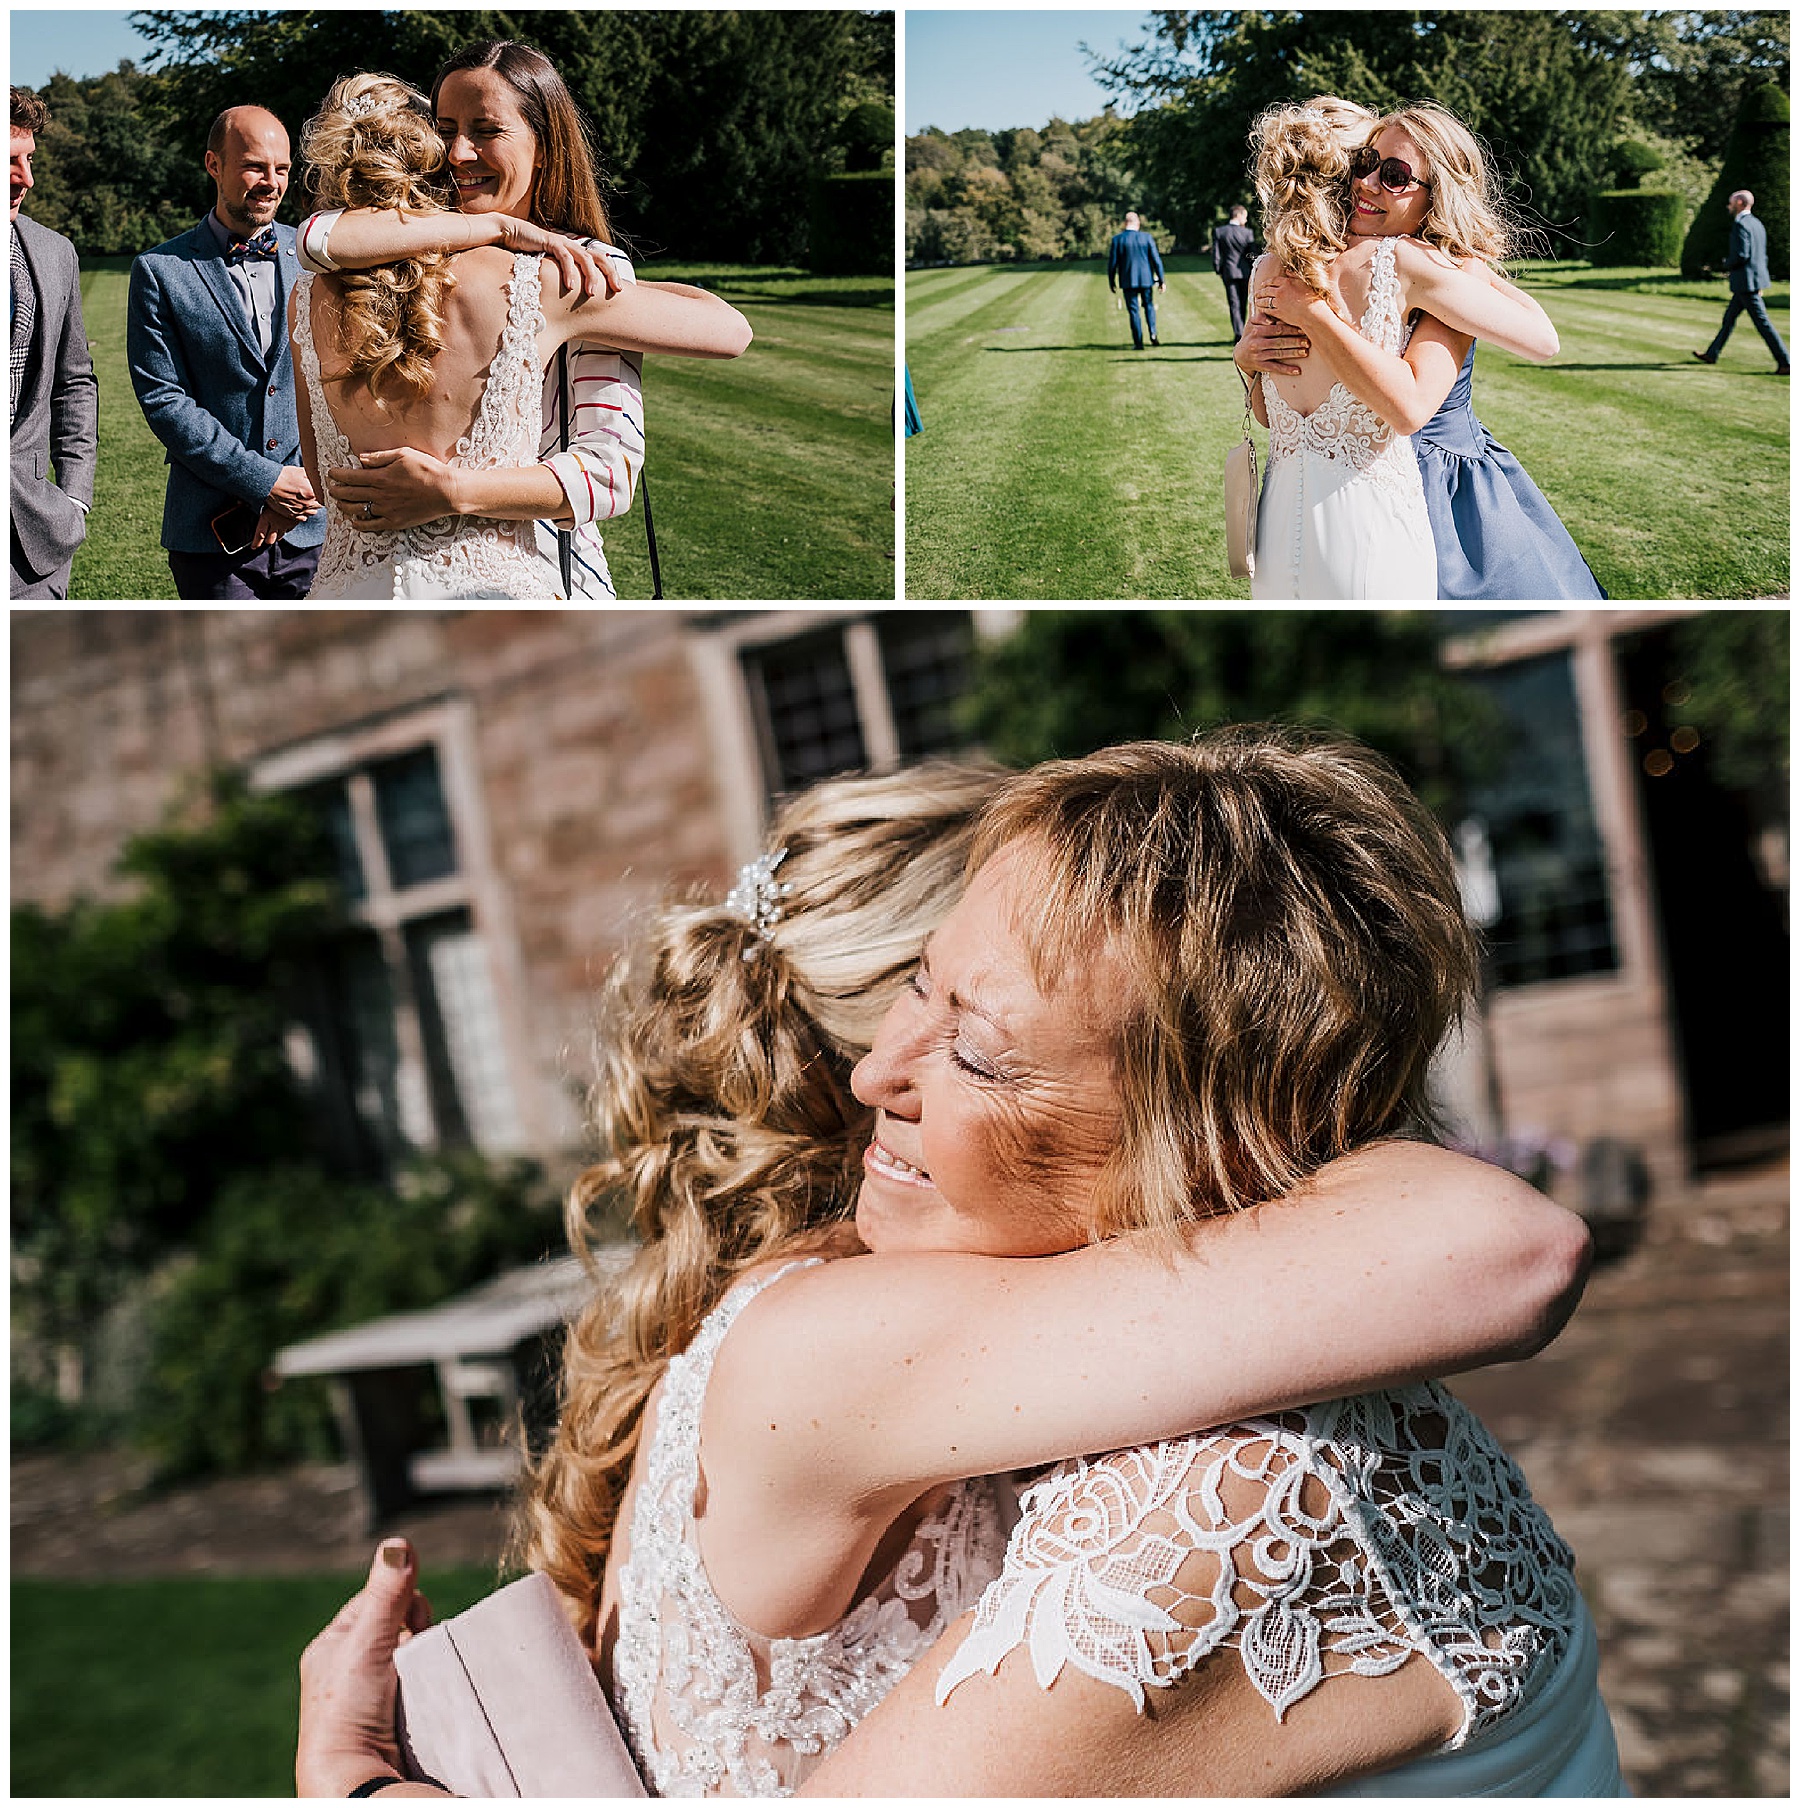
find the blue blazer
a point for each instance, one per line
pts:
(1747, 256)
(223, 410)
(1133, 261)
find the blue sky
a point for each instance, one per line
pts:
(998, 69)
(78, 43)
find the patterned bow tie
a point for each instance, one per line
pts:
(242, 250)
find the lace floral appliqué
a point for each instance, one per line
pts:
(457, 555)
(1343, 428)
(710, 1708)
(1347, 1537)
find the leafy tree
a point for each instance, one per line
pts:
(1735, 662)
(1067, 682)
(108, 175)
(710, 123)
(149, 1061)
(1756, 158)
(1547, 90)
(1691, 70)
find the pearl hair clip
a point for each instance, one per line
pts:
(756, 898)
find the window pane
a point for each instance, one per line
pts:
(367, 1053)
(471, 1094)
(332, 801)
(415, 822)
(925, 658)
(807, 707)
(1555, 915)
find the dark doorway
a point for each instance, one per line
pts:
(1725, 943)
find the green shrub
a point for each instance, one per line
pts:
(1639, 227)
(1756, 158)
(293, 1252)
(866, 133)
(1633, 160)
(853, 223)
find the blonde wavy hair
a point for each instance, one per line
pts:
(1300, 164)
(1466, 217)
(373, 144)
(724, 1108)
(1287, 918)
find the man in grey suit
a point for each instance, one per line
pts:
(55, 400)
(1747, 266)
(206, 338)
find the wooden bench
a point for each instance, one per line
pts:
(477, 1349)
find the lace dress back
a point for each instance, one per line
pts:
(1341, 427)
(1342, 1538)
(711, 1708)
(1342, 514)
(457, 556)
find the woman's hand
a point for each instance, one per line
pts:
(1267, 345)
(395, 489)
(584, 272)
(348, 1682)
(1288, 299)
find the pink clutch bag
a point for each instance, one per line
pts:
(502, 1701)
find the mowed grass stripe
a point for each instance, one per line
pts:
(1059, 464)
(1068, 463)
(771, 475)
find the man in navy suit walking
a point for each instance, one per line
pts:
(1133, 264)
(206, 338)
(1233, 254)
(1747, 266)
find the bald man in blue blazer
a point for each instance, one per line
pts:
(1134, 264)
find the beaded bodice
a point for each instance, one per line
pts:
(1342, 428)
(711, 1708)
(459, 555)
(1339, 1539)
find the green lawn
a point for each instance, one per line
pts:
(1059, 463)
(180, 1687)
(771, 475)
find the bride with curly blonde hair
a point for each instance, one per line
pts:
(443, 351)
(1385, 239)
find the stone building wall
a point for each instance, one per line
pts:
(594, 771)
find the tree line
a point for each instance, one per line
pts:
(709, 125)
(1570, 103)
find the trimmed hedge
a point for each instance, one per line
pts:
(853, 224)
(1756, 158)
(1636, 226)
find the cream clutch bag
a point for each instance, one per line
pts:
(502, 1701)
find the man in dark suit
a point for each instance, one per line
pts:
(1233, 252)
(55, 400)
(206, 337)
(1134, 264)
(1747, 266)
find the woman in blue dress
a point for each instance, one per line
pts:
(1497, 537)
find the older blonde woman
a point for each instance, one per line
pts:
(1419, 178)
(1256, 1025)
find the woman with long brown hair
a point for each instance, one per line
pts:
(523, 177)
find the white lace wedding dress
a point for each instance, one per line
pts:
(1343, 1538)
(1343, 515)
(466, 557)
(711, 1708)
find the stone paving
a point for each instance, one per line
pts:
(1654, 1430)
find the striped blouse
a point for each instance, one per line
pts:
(598, 470)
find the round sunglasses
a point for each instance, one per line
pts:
(1393, 175)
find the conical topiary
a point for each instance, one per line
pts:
(1756, 158)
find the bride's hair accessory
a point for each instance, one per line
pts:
(756, 898)
(360, 106)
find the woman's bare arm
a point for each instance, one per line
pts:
(1405, 391)
(852, 1387)
(662, 319)
(1476, 299)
